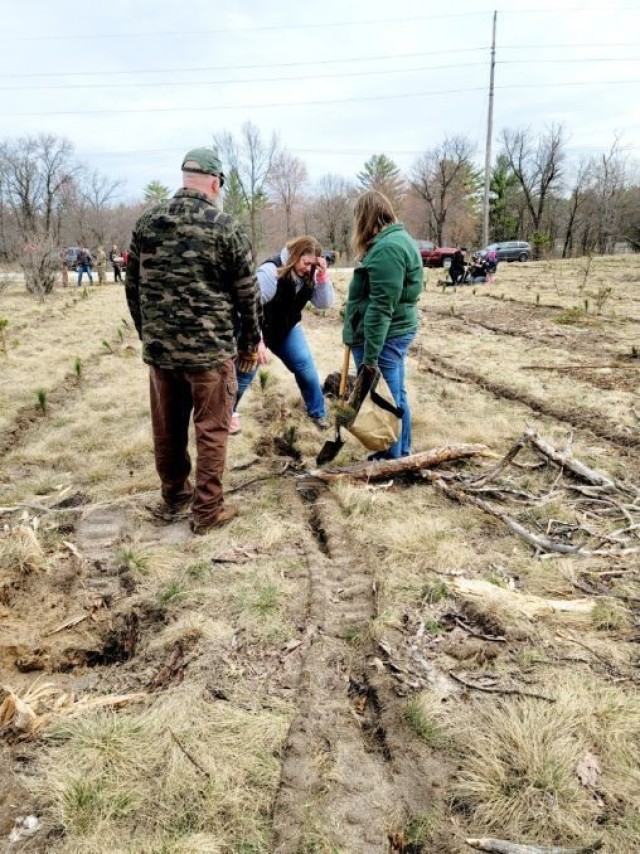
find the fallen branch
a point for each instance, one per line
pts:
(379, 469)
(191, 759)
(257, 479)
(487, 690)
(67, 625)
(508, 458)
(501, 846)
(540, 543)
(573, 367)
(530, 606)
(566, 461)
(467, 628)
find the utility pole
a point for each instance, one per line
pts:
(487, 155)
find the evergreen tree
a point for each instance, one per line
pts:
(156, 192)
(381, 173)
(503, 210)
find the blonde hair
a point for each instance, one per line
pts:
(373, 212)
(299, 246)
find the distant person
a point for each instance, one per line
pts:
(477, 272)
(381, 315)
(85, 265)
(195, 304)
(64, 267)
(116, 262)
(287, 282)
(492, 264)
(458, 266)
(101, 265)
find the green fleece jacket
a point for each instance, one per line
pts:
(383, 293)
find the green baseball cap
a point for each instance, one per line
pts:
(204, 161)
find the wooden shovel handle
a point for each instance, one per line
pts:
(345, 372)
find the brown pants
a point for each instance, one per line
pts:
(210, 395)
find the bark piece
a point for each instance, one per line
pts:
(501, 846)
(530, 606)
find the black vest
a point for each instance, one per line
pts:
(284, 311)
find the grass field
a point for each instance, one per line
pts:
(361, 666)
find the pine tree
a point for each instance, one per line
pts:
(381, 173)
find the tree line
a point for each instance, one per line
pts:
(538, 193)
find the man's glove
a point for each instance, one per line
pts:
(246, 362)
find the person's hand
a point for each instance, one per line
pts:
(321, 269)
(262, 353)
(246, 362)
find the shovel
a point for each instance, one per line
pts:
(331, 447)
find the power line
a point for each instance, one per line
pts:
(298, 78)
(271, 65)
(243, 80)
(368, 58)
(359, 22)
(298, 104)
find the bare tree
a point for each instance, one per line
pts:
(576, 203)
(286, 182)
(609, 172)
(445, 179)
(537, 164)
(251, 159)
(94, 198)
(34, 172)
(333, 212)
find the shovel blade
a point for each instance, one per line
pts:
(329, 450)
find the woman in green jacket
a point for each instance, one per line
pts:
(381, 316)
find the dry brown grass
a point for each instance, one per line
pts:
(20, 552)
(107, 772)
(509, 763)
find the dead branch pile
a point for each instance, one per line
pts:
(603, 514)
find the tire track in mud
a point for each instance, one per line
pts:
(599, 425)
(352, 773)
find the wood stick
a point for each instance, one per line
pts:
(540, 543)
(504, 462)
(568, 462)
(574, 367)
(485, 690)
(379, 469)
(501, 846)
(191, 759)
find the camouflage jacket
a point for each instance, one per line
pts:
(189, 284)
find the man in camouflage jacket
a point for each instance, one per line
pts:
(195, 304)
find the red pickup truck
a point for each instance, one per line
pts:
(435, 256)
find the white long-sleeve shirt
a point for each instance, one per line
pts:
(267, 275)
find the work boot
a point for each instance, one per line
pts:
(169, 513)
(321, 422)
(228, 512)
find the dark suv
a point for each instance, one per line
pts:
(510, 250)
(71, 256)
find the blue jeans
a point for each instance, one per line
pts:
(391, 364)
(296, 356)
(84, 268)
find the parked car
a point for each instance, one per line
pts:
(509, 250)
(71, 254)
(435, 256)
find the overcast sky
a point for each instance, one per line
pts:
(134, 83)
